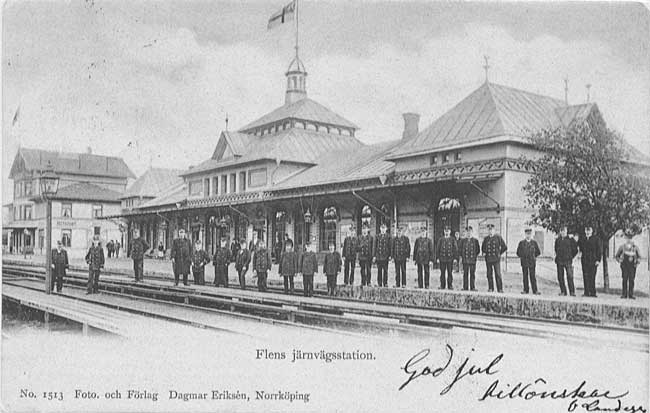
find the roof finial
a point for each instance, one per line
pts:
(226, 121)
(566, 90)
(588, 86)
(486, 66)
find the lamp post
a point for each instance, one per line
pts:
(49, 185)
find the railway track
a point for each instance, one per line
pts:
(347, 315)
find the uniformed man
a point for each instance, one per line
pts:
(493, 247)
(181, 256)
(366, 248)
(331, 268)
(566, 249)
(383, 246)
(261, 264)
(221, 260)
(242, 261)
(469, 250)
(528, 251)
(456, 264)
(401, 253)
(288, 266)
(95, 261)
(423, 255)
(308, 267)
(447, 253)
(138, 247)
(628, 256)
(59, 265)
(350, 246)
(592, 252)
(199, 260)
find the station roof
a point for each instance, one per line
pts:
(305, 109)
(31, 160)
(153, 182)
(291, 145)
(85, 191)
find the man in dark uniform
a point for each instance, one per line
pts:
(592, 252)
(528, 251)
(469, 250)
(59, 265)
(234, 249)
(261, 264)
(423, 255)
(138, 247)
(366, 245)
(350, 245)
(566, 249)
(199, 260)
(447, 253)
(331, 268)
(181, 256)
(95, 261)
(288, 266)
(492, 248)
(308, 267)
(383, 246)
(242, 261)
(401, 253)
(221, 260)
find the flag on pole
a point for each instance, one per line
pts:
(286, 14)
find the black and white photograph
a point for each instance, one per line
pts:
(325, 206)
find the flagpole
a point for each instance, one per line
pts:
(297, 1)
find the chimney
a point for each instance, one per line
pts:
(411, 121)
(89, 150)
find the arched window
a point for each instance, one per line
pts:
(365, 218)
(329, 222)
(384, 218)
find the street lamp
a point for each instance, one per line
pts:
(49, 185)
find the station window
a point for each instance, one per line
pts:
(433, 160)
(66, 210)
(28, 212)
(257, 177)
(242, 181)
(224, 184)
(457, 157)
(97, 211)
(66, 237)
(445, 158)
(206, 187)
(233, 183)
(329, 227)
(215, 185)
(195, 187)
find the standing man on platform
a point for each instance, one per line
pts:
(138, 247)
(199, 260)
(628, 256)
(117, 249)
(350, 246)
(59, 265)
(242, 261)
(447, 253)
(566, 249)
(592, 251)
(383, 247)
(308, 267)
(366, 248)
(221, 260)
(528, 251)
(261, 264)
(493, 247)
(331, 268)
(181, 256)
(288, 266)
(469, 250)
(423, 255)
(95, 261)
(401, 253)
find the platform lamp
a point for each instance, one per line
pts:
(49, 185)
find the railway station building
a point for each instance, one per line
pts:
(300, 170)
(90, 187)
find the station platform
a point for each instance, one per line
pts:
(606, 309)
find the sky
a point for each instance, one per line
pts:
(153, 81)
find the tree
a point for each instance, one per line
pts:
(584, 176)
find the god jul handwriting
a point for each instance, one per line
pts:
(594, 400)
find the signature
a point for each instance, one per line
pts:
(581, 397)
(412, 367)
